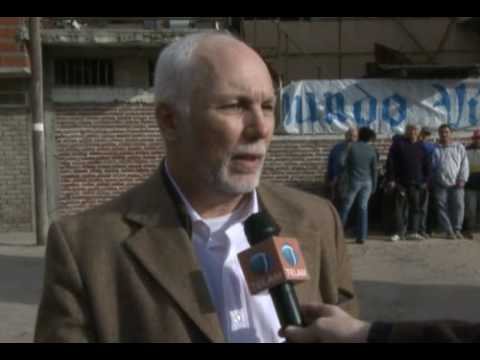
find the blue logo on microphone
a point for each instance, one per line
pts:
(289, 255)
(261, 263)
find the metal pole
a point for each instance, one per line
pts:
(38, 134)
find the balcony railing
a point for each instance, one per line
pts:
(145, 23)
(118, 32)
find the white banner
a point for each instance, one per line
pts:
(384, 105)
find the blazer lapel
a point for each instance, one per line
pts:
(165, 250)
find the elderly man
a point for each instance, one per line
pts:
(159, 263)
(450, 174)
(408, 171)
(336, 181)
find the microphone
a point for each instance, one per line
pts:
(273, 263)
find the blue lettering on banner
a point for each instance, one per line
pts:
(286, 107)
(299, 109)
(340, 108)
(461, 94)
(297, 116)
(372, 112)
(472, 107)
(461, 91)
(455, 103)
(444, 101)
(312, 107)
(402, 110)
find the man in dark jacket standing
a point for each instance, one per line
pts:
(408, 171)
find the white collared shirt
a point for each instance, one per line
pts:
(216, 242)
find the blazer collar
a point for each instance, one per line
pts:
(163, 246)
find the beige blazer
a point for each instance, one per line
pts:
(126, 271)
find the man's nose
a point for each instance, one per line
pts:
(258, 125)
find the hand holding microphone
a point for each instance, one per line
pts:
(327, 323)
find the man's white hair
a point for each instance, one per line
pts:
(175, 70)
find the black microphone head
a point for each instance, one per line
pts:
(259, 227)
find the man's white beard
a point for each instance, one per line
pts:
(236, 184)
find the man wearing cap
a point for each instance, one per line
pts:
(472, 188)
(451, 171)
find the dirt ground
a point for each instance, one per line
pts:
(394, 281)
(408, 280)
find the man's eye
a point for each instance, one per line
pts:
(268, 107)
(232, 106)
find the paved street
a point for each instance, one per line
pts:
(21, 269)
(406, 280)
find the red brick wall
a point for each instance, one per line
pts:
(15, 173)
(105, 149)
(297, 162)
(13, 54)
(302, 162)
(15, 176)
(102, 151)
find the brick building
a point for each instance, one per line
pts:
(101, 135)
(15, 164)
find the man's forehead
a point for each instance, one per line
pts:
(220, 52)
(236, 76)
(259, 95)
(238, 88)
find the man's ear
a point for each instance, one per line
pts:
(167, 121)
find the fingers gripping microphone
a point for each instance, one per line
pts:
(273, 263)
